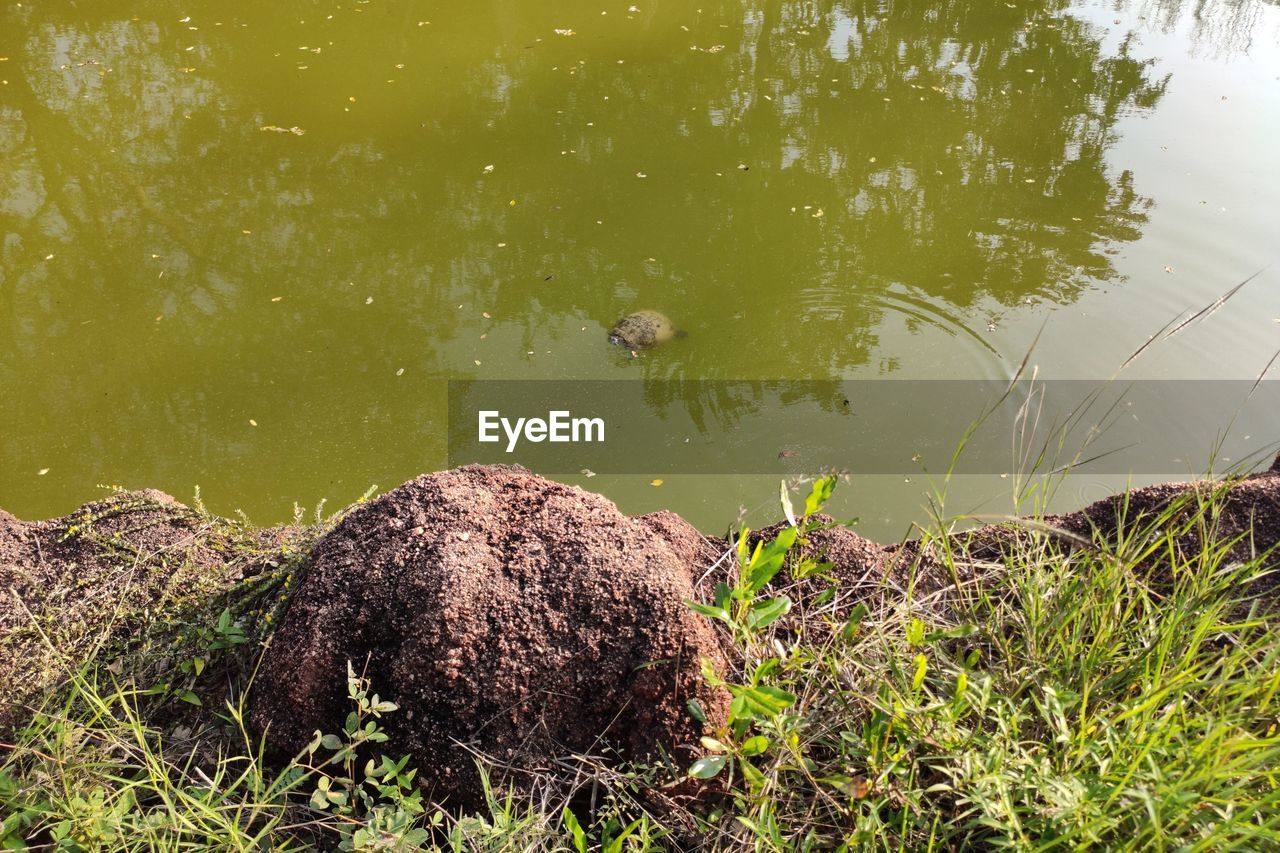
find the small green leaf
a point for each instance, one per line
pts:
(962, 684)
(767, 611)
(785, 498)
(575, 831)
(331, 742)
(951, 633)
(754, 745)
(708, 610)
(614, 845)
(707, 767)
(318, 800)
(753, 776)
(819, 495)
(189, 697)
(768, 559)
(760, 701)
(695, 711)
(851, 624)
(922, 666)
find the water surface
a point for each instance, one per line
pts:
(245, 244)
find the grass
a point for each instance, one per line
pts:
(1119, 693)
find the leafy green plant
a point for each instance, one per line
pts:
(760, 721)
(740, 606)
(207, 643)
(615, 837)
(378, 801)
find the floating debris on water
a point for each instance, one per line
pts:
(296, 131)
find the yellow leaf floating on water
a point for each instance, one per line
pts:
(565, 32)
(252, 422)
(42, 472)
(296, 131)
(655, 483)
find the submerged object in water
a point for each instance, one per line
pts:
(643, 329)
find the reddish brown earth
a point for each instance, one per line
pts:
(508, 616)
(1153, 526)
(73, 586)
(1249, 513)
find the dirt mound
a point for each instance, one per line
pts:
(1146, 527)
(506, 615)
(74, 586)
(1246, 512)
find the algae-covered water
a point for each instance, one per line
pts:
(245, 245)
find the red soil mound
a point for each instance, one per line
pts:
(506, 615)
(93, 580)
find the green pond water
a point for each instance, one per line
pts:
(246, 244)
